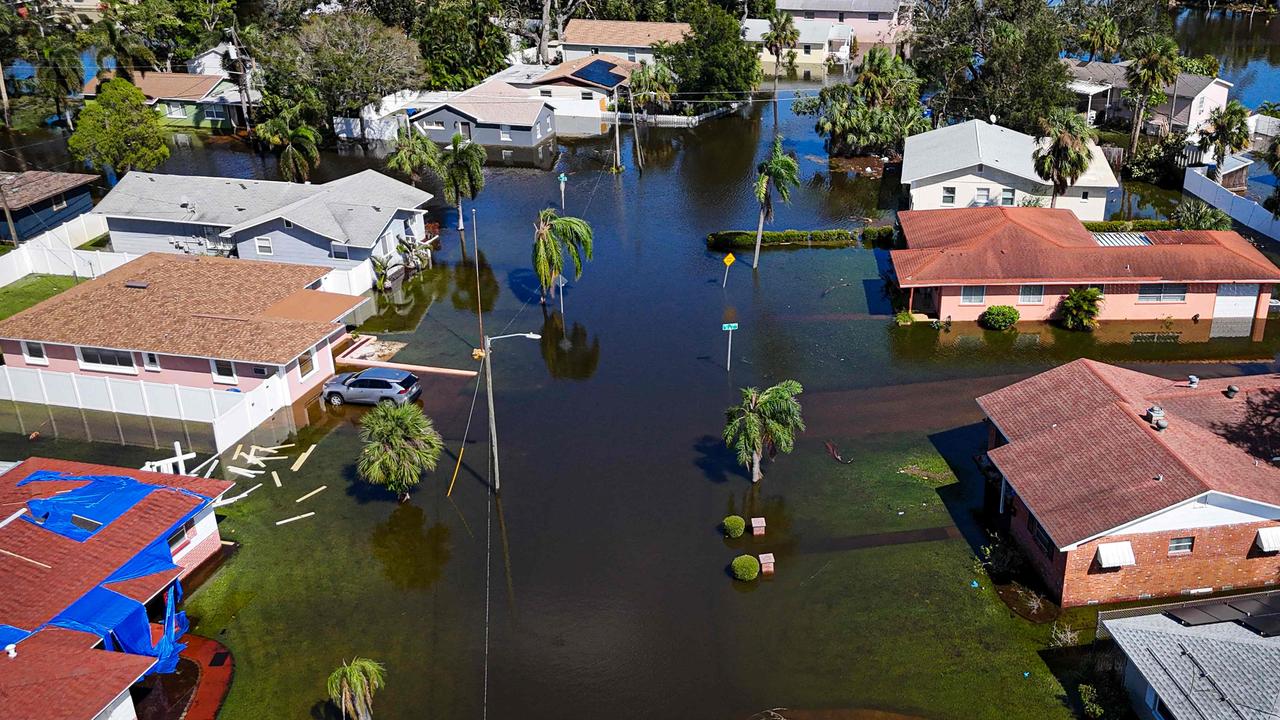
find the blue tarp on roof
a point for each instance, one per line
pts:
(102, 499)
(155, 558)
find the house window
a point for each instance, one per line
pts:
(585, 95)
(1006, 197)
(288, 224)
(1031, 294)
(306, 364)
(808, 49)
(439, 124)
(948, 195)
(339, 252)
(60, 201)
(537, 132)
(33, 353)
(1040, 536)
(105, 360)
(504, 133)
(181, 536)
(973, 295)
(1200, 104)
(260, 371)
(151, 361)
(544, 93)
(174, 110)
(262, 245)
(873, 17)
(215, 112)
(595, 51)
(983, 196)
(1181, 545)
(631, 54)
(507, 154)
(808, 14)
(224, 372)
(1162, 293)
(1084, 195)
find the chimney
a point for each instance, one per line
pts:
(1193, 381)
(1232, 390)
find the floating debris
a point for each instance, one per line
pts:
(295, 517)
(313, 492)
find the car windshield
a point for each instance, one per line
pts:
(408, 381)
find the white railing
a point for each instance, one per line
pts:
(231, 414)
(55, 253)
(1241, 209)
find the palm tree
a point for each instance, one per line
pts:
(782, 35)
(654, 83)
(382, 271)
(553, 237)
(1063, 150)
(1196, 215)
(1154, 66)
(1270, 107)
(114, 41)
(779, 170)
(352, 685)
(764, 422)
(1227, 133)
(877, 74)
(1101, 36)
(1080, 308)
(400, 444)
(56, 56)
(462, 169)
(415, 154)
(297, 142)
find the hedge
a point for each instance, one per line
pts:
(999, 317)
(746, 239)
(734, 526)
(1129, 225)
(745, 568)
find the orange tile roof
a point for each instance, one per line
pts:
(58, 675)
(164, 86)
(622, 33)
(195, 306)
(999, 245)
(1085, 459)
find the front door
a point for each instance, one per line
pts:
(1235, 300)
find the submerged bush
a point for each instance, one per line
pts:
(733, 526)
(903, 318)
(746, 568)
(743, 239)
(882, 237)
(1080, 307)
(999, 317)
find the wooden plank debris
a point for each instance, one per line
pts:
(295, 517)
(276, 477)
(313, 492)
(302, 458)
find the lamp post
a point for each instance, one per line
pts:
(488, 383)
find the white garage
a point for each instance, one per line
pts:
(1235, 300)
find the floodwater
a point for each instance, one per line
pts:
(1246, 44)
(595, 586)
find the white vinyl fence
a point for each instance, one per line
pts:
(1241, 209)
(54, 253)
(232, 414)
(357, 280)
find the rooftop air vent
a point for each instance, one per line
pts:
(1154, 413)
(1193, 381)
(136, 284)
(1232, 390)
(1161, 425)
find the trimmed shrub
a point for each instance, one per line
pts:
(746, 239)
(903, 318)
(999, 317)
(1129, 225)
(883, 237)
(745, 568)
(1080, 307)
(733, 526)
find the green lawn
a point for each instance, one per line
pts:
(102, 242)
(30, 290)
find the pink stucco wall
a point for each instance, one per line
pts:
(1119, 303)
(298, 387)
(174, 369)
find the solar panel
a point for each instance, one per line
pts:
(1192, 616)
(1273, 603)
(1222, 611)
(1264, 625)
(600, 73)
(1250, 607)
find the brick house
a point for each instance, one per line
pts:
(1123, 486)
(959, 262)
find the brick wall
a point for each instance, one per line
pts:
(1222, 556)
(201, 551)
(1051, 568)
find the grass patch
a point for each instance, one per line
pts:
(31, 290)
(102, 242)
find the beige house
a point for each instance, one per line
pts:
(822, 43)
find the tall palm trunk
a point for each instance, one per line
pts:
(1139, 111)
(776, 60)
(755, 261)
(1053, 199)
(4, 97)
(756, 475)
(461, 224)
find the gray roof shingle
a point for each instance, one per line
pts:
(975, 142)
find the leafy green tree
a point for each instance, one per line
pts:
(1196, 215)
(1101, 36)
(119, 131)
(553, 238)
(11, 25)
(782, 35)
(1063, 152)
(764, 422)
(1154, 66)
(778, 170)
(1080, 307)
(875, 113)
(415, 154)
(383, 268)
(52, 45)
(1270, 108)
(400, 444)
(1227, 132)
(713, 61)
(462, 169)
(654, 84)
(297, 143)
(1206, 65)
(352, 685)
(116, 41)
(462, 46)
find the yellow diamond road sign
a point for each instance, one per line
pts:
(729, 259)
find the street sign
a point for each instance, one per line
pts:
(729, 327)
(564, 178)
(729, 259)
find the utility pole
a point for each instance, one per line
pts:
(617, 125)
(8, 214)
(635, 130)
(236, 51)
(487, 344)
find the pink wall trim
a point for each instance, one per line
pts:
(300, 387)
(174, 369)
(1119, 303)
(885, 30)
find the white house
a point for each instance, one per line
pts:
(1099, 88)
(873, 22)
(210, 62)
(821, 42)
(579, 91)
(975, 163)
(627, 39)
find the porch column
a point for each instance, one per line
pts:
(1260, 312)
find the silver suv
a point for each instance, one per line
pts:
(372, 386)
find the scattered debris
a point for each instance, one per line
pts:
(241, 496)
(932, 477)
(276, 477)
(313, 492)
(833, 287)
(834, 452)
(242, 472)
(295, 517)
(302, 458)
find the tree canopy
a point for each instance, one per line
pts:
(462, 46)
(352, 59)
(713, 62)
(119, 131)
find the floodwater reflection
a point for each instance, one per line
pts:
(412, 554)
(571, 354)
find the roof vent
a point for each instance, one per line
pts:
(1154, 413)
(1193, 381)
(1232, 390)
(12, 650)
(1161, 425)
(136, 284)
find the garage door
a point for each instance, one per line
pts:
(1235, 301)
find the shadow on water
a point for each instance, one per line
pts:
(412, 554)
(718, 463)
(569, 354)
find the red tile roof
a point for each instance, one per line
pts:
(1085, 459)
(999, 245)
(622, 33)
(57, 675)
(58, 570)
(163, 85)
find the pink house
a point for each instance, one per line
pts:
(959, 262)
(201, 322)
(874, 22)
